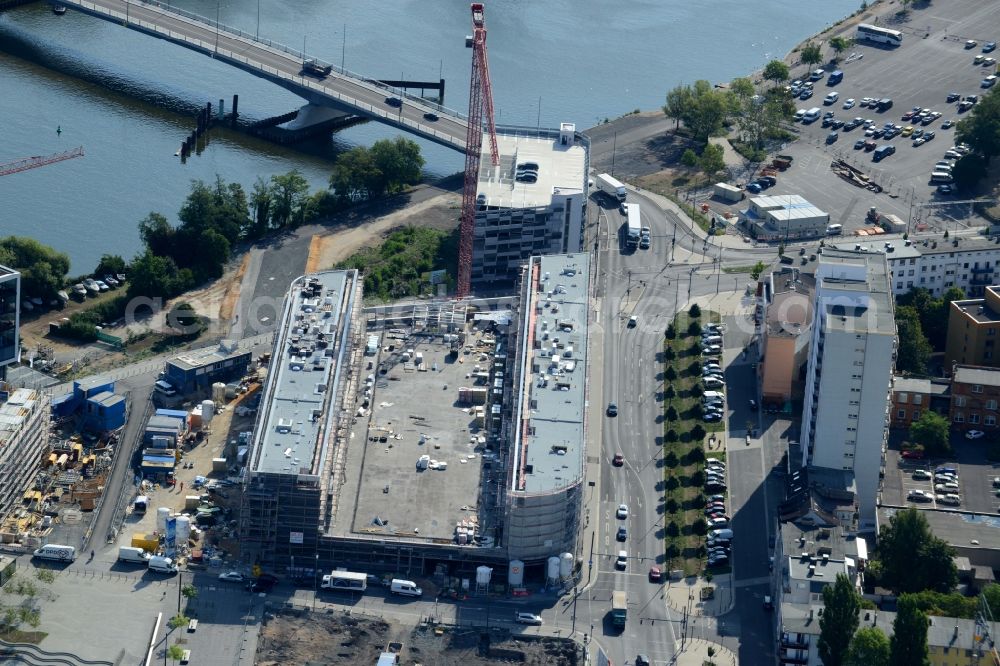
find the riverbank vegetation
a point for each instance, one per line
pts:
(43, 269)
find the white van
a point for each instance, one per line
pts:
(941, 177)
(162, 565)
(130, 554)
(54, 551)
(834, 229)
(405, 588)
(711, 340)
(710, 395)
(811, 116)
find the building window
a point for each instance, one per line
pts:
(991, 331)
(918, 399)
(959, 417)
(901, 414)
(916, 414)
(899, 285)
(902, 398)
(977, 388)
(989, 420)
(973, 418)
(991, 405)
(960, 401)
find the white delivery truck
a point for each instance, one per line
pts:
(405, 588)
(57, 552)
(610, 186)
(131, 554)
(633, 224)
(162, 565)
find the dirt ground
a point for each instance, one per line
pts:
(336, 639)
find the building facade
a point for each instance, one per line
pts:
(912, 397)
(973, 325)
(24, 431)
(783, 217)
(937, 263)
(849, 376)
(197, 371)
(545, 477)
(10, 317)
(975, 392)
(519, 216)
(784, 336)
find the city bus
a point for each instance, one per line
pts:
(345, 580)
(874, 33)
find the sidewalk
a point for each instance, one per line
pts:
(685, 595)
(695, 653)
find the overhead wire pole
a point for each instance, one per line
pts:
(480, 103)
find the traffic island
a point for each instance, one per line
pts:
(699, 652)
(702, 596)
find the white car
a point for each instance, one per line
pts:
(232, 577)
(974, 434)
(622, 560)
(622, 512)
(949, 498)
(919, 496)
(528, 618)
(849, 103)
(831, 98)
(946, 124)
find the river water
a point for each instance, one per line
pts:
(129, 99)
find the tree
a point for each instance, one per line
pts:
(175, 652)
(811, 54)
(908, 645)
(671, 332)
(288, 194)
(841, 604)
(981, 128)
(678, 100)
(399, 162)
(689, 158)
(931, 432)
(757, 269)
(911, 558)
(697, 432)
(42, 269)
(776, 71)
(694, 311)
(968, 171)
(110, 264)
(781, 249)
(840, 44)
(712, 159)
(869, 647)
(914, 350)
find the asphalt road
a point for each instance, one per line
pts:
(349, 93)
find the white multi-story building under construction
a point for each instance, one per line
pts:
(532, 203)
(450, 434)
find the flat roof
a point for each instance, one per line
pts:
(787, 207)
(790, 313)
(918, 385)
(561, 169)
(107, 398)
(965, 374)
(958, 528)
(226, 350)
(90, 382)
(977, 309)
(304, 374)
(550, 443)
(876, 316)
(20, 405)
(900, 250)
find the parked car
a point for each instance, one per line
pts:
(232, 577)
(849, 103)
(974, 434)
(913, 454)
(919, 496)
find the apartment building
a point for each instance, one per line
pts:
(972, 330)
(849, 375)
(24, 430)
(937, 263)
(10, 312)
(783, 336)
(975, 393)
(912, 397)
(532, 203)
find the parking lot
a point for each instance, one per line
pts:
(921, 72)
(974, 475)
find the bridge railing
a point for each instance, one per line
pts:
(298, 54)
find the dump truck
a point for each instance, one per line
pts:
(619, 608)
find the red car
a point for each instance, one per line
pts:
(913, 454)
(655, 574)
(618, 460)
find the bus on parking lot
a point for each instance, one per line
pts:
(874, 33)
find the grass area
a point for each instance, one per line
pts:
(738, 269)
(18, 636)
(684, 439)
(401, 265)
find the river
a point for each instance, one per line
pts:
(129, 99)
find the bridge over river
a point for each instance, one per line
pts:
(340, 89)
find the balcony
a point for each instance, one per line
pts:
(794, 641)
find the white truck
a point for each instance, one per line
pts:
(610, 186)
(633, 224)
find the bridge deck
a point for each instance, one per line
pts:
(275, 62)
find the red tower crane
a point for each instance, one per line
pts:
(37, 161)
(480, 103)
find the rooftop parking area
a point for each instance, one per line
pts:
(415, 411)
(974, 476)
(921, 72)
